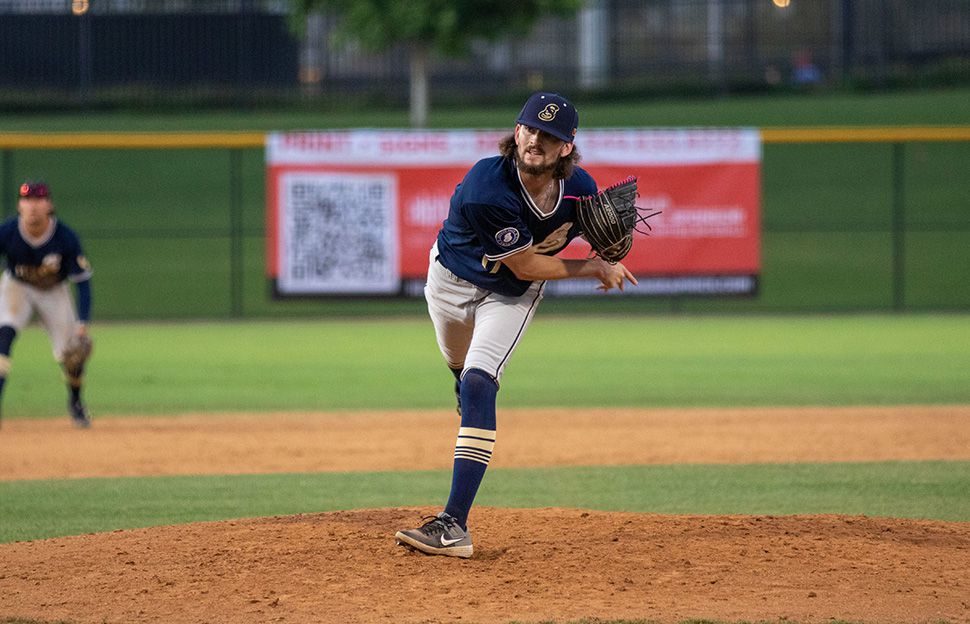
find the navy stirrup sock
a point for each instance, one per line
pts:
(7, 335)
(476, 439)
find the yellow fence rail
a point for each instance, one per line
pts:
(866, 135)
(132, 140)
(242, 140)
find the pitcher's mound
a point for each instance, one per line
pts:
(529, 566)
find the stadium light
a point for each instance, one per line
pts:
(781, 4)
(80, 7)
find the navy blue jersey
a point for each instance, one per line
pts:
(492, 217)
(46, 261)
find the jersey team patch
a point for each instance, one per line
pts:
(507, 237)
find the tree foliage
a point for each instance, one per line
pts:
(448, 26)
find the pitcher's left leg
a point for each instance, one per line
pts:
(500, 324)
(475, 443)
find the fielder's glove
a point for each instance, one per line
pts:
(76, 353)
(609, 218)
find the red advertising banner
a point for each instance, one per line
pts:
(356, 212)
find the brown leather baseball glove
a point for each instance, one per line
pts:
(609, 218)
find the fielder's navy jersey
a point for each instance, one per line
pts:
(45, 261)
(492, 217)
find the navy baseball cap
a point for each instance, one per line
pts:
(552, 113)
(34, 189)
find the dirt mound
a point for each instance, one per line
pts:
(529, 566)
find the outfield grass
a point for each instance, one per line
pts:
(935, 490)
(641, 361)
(915, 107)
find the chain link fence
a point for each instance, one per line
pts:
(63, 52)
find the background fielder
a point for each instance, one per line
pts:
(508, 218)
(42, 255)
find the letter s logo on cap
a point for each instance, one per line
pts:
(549, 112)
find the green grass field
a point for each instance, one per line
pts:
(916, 107)
(375, 364)
(40, 509)
(641, 361)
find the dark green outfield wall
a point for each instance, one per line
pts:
(847, 227)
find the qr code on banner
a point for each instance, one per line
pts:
(338, 233)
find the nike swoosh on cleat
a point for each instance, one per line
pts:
(449, 542)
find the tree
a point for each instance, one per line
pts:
(425, 26)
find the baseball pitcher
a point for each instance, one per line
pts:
(508, 218)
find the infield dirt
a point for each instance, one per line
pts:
(530, 565)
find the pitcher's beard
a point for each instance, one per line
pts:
(535, 170)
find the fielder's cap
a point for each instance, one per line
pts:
(552, 113)
(34, 189)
